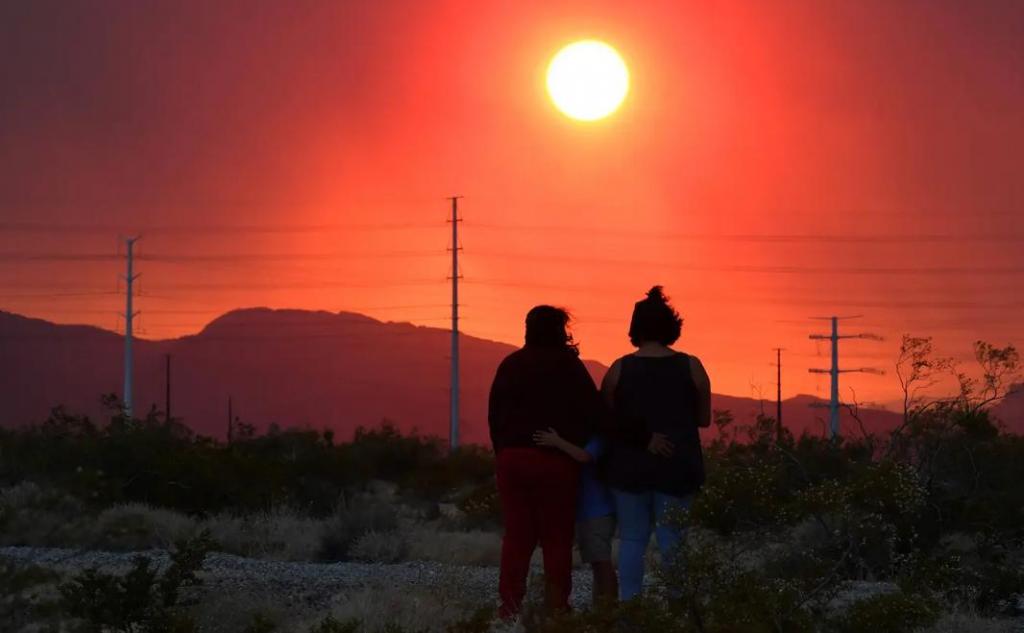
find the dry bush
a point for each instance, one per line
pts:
(969, 623)
(27, 597)
(380, 547)
(275, 535)
(136, 526)
(475, 548)
(233, 611)
(339, 533)
(38, 516)
(423, 609)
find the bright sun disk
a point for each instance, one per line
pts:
(587, 80)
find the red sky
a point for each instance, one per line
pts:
(773, 162)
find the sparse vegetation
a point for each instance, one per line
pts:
(917, 531)
(144, 599)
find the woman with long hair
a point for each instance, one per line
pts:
(543, 386)
(659, 397)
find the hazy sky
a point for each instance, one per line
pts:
(773, 162)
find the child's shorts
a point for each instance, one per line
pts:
(594, 539)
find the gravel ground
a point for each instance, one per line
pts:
(303, 589)
(313, 584)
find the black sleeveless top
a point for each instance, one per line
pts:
(655, 395)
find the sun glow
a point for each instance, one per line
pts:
(587, 80)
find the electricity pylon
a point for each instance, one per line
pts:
(129, 316)
(453, 430)
(834, 371)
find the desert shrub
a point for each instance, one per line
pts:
(163, 464)
(641, 616)
(136, 526)
(739, 498)
(261, 622)
(473, 548)
(972, 480)
(896, 612)
(36, 515)
(279, 534)
(969, 572)
(714, 586)
(753, 485)
(385, 453)
(988, 580)
(971, 623)
(380, 547)
(339, 534)
(144, 599)
(481, 506)
(481, 621)
(467, 466)
(332, 625)
(785, 523)
(25, 596)
(398, 609)
(870, 518)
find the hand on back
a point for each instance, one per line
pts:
(549, 438)
(660, 445)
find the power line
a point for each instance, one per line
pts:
(38, 227)
(285, 257)
(215, 258)
(798, 270)
(58, 257)
(220, 311)
(305, 324)
(287, 285)
(524, 256)
(784, 238)
(57, 295)
(726, 298)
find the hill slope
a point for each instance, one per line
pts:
(292, 367)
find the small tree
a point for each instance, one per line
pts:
(1000, 367)
(918, 370)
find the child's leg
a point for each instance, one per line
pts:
(606, 582)
(594, 538)
(633, 511)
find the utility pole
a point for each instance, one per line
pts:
(129, 315)
(778, 384)
(833, 372)
(167, 395)
(453, 431)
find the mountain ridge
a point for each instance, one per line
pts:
(317, 369)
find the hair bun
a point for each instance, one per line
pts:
(657, 293)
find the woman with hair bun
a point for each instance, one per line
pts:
(659, 397)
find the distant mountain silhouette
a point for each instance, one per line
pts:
(296, 368)
(1011, 409)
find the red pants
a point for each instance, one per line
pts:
(538, 490)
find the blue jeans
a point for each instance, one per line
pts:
(636, 514)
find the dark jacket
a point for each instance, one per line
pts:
(537, 388)
(655, 395)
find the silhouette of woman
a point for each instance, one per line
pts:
(659, 398)
(542, 386)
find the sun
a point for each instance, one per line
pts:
(587, 80)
